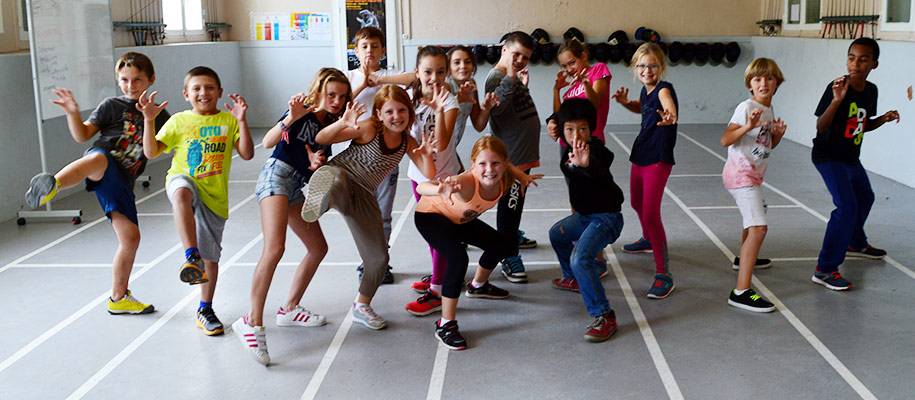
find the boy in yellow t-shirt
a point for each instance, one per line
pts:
(197, 182)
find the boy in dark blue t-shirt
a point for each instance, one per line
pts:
(845, 112)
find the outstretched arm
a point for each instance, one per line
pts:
(244, 145)
(81, 131)
(669, 111)
(346, 128)
(421, 155)
(631, 105)
(146, 105)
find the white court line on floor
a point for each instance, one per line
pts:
(437, 378)
(695, 175)
(88, 265)
(92, 304)
(651, 342)
(136, 343)
(902, 268)
(735, 207)
(331, 354)
(544, 177)
(296, 264)
(805, 332)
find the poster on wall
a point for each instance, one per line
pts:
(290, 26)
(360, 14)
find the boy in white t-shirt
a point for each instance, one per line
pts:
(751, 134)
(365, 82)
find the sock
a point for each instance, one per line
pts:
(436, 288)
(740, 292)
(477, 285)
(204, 304)
(191, 251)
(443, 321)
(358, 304)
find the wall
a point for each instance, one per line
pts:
(19, 157)
(886, 151)
(238, 13)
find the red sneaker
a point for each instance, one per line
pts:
(565, 284)
(602, 327)
(425, 304)
(422, 285)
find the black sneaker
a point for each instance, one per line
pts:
(761, 263)
(388, 276)
(524, 242)
(867, 252)
(449, 335)
(831, 280)
(487, 291)
(750, 301)
(206, 320)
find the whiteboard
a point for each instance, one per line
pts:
(72, 47)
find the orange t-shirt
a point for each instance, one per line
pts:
(460, 212)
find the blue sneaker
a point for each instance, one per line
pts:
(524, 242)
(832, 280)
(639, 246)
(662, 287)
(513, 269)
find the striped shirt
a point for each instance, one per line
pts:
(368, 164)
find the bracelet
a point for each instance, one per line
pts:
(285, 131)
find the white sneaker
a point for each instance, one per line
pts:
(318, 194)
(253, 338)
(365, 315)
(298, 317)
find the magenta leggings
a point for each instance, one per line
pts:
(646, 189)
(439, 265)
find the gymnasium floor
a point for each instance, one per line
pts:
(59, 341)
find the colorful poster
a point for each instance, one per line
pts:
(291, 26)
(360, 14)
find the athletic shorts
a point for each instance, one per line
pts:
(112, 192)
(209, 224)
(751, 205)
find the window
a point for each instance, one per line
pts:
(23, 21)
(897, 16)
(182, 17)
(802, 15)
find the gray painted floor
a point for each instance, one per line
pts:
(59, 341)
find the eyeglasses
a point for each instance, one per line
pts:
(642, 67)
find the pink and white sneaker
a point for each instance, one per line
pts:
(299, 317)
(253, 338)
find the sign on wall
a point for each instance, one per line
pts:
(290, 26)
(360, 14)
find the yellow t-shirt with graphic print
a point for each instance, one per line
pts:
(203, 151)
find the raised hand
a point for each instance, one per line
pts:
(840, 87)
(562, 80)
(489, 101)
(316, 158)
(581, 76)
(552, 128)
(465, 93)
(778, 128)
(581, 154)
(427, 147)
(621, 96)
(148, 107)
(891, 115)
(526, 180)
(238, 107)
(297, 107)
(66, 101)
(524, 76)
(447, 186)
(753, 120)
(351, 115)
(439, 96)
(667, 118)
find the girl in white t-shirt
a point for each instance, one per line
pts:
(461, 68)
(436, 112)
(751, 134)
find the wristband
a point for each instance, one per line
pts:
(285, 131)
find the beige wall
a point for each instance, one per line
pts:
(492, 18)
(236, 12)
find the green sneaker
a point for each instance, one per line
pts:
(128, 305)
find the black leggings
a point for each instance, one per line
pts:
(508, 218)
(446, 238)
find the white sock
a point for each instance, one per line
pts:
(436, 288)
(358, 304)
(443, 321)
(740, 292)
(476, 284)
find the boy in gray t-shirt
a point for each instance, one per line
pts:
(515, 121)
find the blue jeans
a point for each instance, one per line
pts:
(851, 193)
(577, 239)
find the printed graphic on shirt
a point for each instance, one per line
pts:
(428, 124)
(763, 142)
(128, 148)
(524, 107)
(854, 126)
(469, 215)
(206, 151)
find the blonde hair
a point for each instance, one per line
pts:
(392, 93)
(653, 50)
(762, 67)
(496, 146)
(319, 88)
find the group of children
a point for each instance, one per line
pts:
(383, 122)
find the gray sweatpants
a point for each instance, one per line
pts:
(361, 213)
(385, 196)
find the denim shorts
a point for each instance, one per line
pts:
(279, 178)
